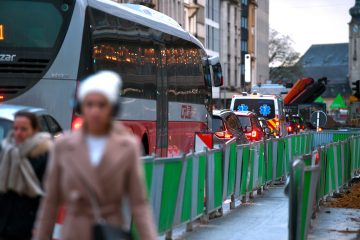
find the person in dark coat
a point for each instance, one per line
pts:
(23, 161)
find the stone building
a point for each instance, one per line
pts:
(261, 71)
(255, 39)
(194, 15)
(354, 43)
(230, 38)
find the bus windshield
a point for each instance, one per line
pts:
(32, 24)
(262, 107)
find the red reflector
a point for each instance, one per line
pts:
(317, 158)
(224, 135)
(254, 134)
(77, 123)
(204, 139)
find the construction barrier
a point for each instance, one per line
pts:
(331, 136)
(184, 188)
(324, 172)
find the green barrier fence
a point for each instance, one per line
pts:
(182, 189)
(214, 179)
(311, 177)
(326, 171)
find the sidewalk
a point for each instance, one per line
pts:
(336, 223)
(265, 218)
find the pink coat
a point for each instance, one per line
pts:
(119, 173)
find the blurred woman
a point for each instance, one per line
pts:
(98, 163)
(22, 165)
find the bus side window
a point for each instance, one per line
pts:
(136, 60)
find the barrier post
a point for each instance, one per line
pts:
(214, 189)
(148, 163)
(262, 171)
(280, 171)
(311, 177)
(193, 204)
(295, 197)
(229, 171)
(239, 163)
(167, 175)
(245, 171)
(269, 168)
(265, 163)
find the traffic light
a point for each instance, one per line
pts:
(356, 89)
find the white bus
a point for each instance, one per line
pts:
(48, 46)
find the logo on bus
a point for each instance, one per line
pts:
(186, 111)
(7, 57)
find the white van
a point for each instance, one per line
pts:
(270, 107)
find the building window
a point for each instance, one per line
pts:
(212, 38)
(244, 46)
(242, 69)
(244, 22)
(213, 10)
(245, 2)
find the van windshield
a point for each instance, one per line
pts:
(262, 107)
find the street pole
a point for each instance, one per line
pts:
(225, 82)
(317, 121)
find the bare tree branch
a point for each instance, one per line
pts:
(283, 58)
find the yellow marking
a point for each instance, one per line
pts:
(2, 35)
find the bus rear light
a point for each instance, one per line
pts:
(289, 128)
(77, 123)
(2, 97)
(223, 134)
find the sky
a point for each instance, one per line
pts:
(310, 22)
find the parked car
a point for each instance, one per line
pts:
(226, 126)
(47, 122)
(251, 125)
(265, 127)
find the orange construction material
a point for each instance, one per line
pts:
(298, 87)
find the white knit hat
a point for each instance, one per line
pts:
(106, 83)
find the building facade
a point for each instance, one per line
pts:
(354, 43)
(212, 27)
(255, 40)
(230, 38)
(261, 71)
(194, 17)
